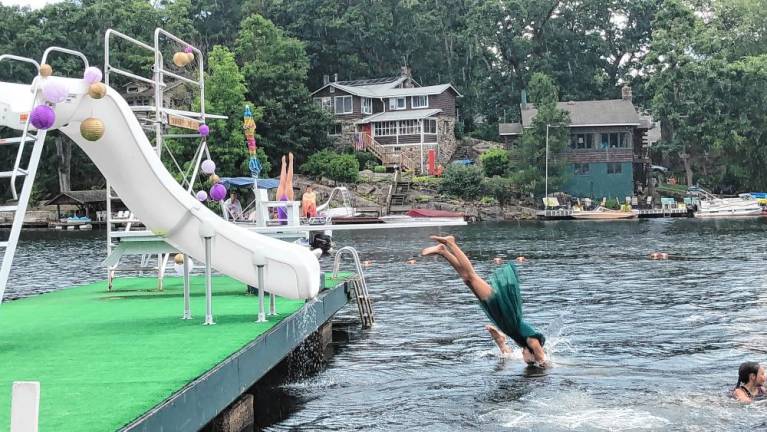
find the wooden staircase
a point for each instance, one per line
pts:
(388, 156)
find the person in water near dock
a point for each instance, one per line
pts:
(750, 384)
(285, 188)
(500, 299)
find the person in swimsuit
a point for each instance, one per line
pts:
(500, 299)
(309, 203)
(285, 188)
(750, 382)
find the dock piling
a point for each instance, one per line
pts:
(208, 283)
(261, 312)
(187, 311)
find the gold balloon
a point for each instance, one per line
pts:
(178, 259)
(180, 59)
(92, 129)
(97, 90)
(189, 57)
(46, 70)
(215, 179)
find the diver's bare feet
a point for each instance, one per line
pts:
(283, 159)
(433, 250)
(499, 338)
(290, 157)
(446, 240)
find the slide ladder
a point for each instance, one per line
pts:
(358, 286)
(21, 200)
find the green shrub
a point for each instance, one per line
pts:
(422, 198)
(427, 182)
(338, 167)
(462, 181)
(366, 159)
(495, 162)
(500, 188)
(487, 200)
(344, 168)
(380, 169)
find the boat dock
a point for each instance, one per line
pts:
(562, 214)
(125, 360)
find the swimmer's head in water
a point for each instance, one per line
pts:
(750, 373)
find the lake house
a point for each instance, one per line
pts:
(395, 118)
(607, 152)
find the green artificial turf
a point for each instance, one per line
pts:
(105, 358)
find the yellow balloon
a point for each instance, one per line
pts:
(46, 70)
(97, 90)
(215, 179)
(180, 59)
(189, 57)
(178, 259)
(92, 129)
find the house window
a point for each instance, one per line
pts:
(336, 129)
(385, 128)
(614, 168)
(420, 101)
(409, 127)
(399, 103)
(343, 105)
(367, 106)
(429, 126)
(581, 141)
(581, 168)
(325, 103)
(615, 140)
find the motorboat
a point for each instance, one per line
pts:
(711, 206)
(424, 215)
(602, 213)
(339, 195)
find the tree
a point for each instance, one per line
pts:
(530, 154)
(462, 181)
(275, 67)
(495, 162)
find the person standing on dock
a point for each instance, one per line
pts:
(309, 203)
(500, 299)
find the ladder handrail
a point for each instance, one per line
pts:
(65, 51)
(363, 300)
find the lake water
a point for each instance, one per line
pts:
(636, 344)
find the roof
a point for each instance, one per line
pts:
(79, 197)
(387, 89)
(613, 112)
(510, 128)
(374, 81)
(400, 115)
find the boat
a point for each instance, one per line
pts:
(424, 215)
(711, 206)
(602, 213)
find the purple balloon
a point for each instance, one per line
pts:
(204, 130)
(188, 49)
(202, 196)
(217, 192)
(92, 75)
(208, 166)
(55, 92)
(42, 117)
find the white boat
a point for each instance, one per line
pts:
(346, 209)
(602, 213)
(712, 206)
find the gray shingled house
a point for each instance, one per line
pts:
(607, 153)
(394, 118)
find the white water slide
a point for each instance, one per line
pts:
(126, 158)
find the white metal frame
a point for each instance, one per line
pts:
(29, 173)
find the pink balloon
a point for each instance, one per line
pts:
(55, 92)
(92, 75)
(208, 166)
(217, 192)
(202, 196)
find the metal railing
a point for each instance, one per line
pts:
(359, 285)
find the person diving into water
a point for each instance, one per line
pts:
(500, 299)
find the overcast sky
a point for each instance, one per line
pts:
(34, 4)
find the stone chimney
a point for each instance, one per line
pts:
(325, 79)
(405, 71)
(626, 93)
(335, 77)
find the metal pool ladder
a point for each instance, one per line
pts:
(358, 285)
(19, 208)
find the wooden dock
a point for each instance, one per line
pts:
(563, 214)
(125, 360)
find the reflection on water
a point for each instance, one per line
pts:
(637, 344)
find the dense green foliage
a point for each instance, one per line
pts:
(462, 181)
(495, 162)
(697, 65)
(342, 167)
(501, 188)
